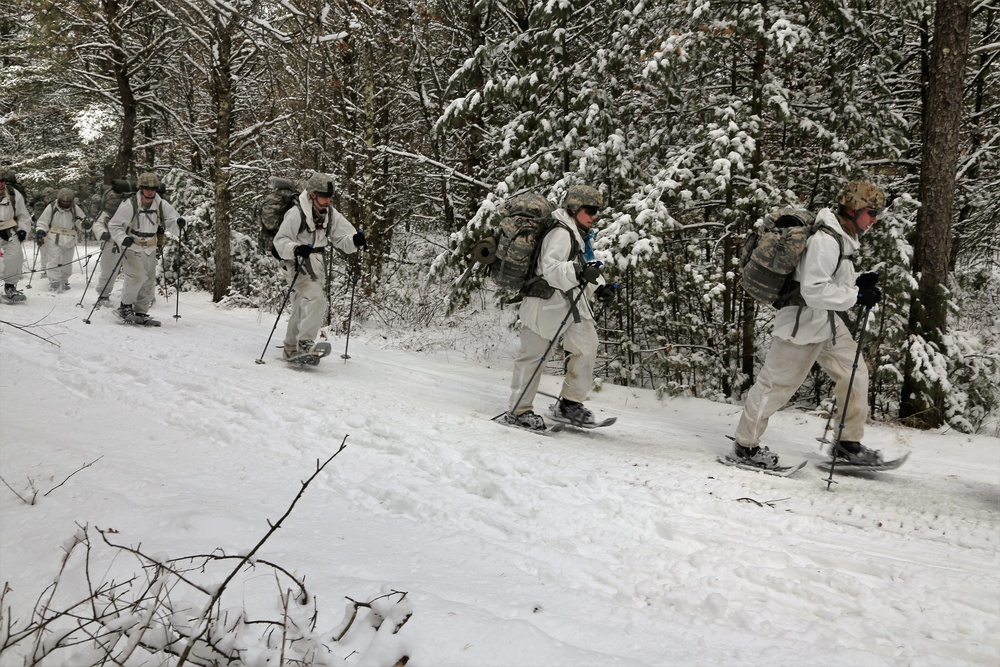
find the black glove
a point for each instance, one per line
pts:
(180, 223)
(359, 240)
(85, 225)
(606, 293)
(867, 280)
(21, 235)
(869, 297)
(40, 237)
(106, 236)
(128, 241)
(590, 273)
(303, 250)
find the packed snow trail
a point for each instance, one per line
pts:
(628, 545)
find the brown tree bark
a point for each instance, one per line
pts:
(120, 67)
(922, 399)
(222, 96)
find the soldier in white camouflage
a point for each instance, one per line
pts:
(134, 228)
(15, 224)
(817, 332)
(57, 228)
(565, 263)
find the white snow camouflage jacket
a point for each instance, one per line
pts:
(61, 224)
(558, 266)
(300, 229)
(824, 287)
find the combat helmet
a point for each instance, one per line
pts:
(578, 196)
(320, 184)
(65, 195)
(858, 195)
(148, 179)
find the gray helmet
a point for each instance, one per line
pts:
(6, 174)
(859, 195)
(67, 195)
(578, 196)
(320, 184)
(148, 180)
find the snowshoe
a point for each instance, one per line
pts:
(527, 420)
(12, 295)
(308, 355)
(758, 459)
(847, 466)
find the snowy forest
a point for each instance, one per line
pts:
(693, 118)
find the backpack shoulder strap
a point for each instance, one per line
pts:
(840, 244)
(303, 227)
(575, 249)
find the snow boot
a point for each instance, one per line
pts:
(304, 352)
(855, 453)
(528, 420)
(574, 412)
(102, 301)
(12, 295)
(761, 457)
(125, 311)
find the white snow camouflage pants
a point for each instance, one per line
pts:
(63, 255)
(13, 259)
(785, 369)
(108, 263)
(308, 306)
(579, 342)
(139, 267)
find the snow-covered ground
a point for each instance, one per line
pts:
(623, 546)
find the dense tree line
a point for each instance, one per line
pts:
(694, 119)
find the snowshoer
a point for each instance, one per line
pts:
(306, 231)
(134, 228)
(814, 330)
(15, 223)
(57, 228)
(566, 265)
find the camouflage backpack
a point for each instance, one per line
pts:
(119, 191)
(527, 218)
(281, 196)
(770, 254)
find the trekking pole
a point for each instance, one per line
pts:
(284, 302)
(355, 271)
(33, 262)
(163, 271)
(538, 368)
(93, 273)
(822, 439)
(847, 397)
(114, 273)
(177, 265)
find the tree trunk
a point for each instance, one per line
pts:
(922, 397)
(222, 91)
(119, 65)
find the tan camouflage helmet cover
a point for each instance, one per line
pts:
(4, 173)
(65, 194)
(320, 184)
(148, 179)
(859, 195)
(578, 196)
